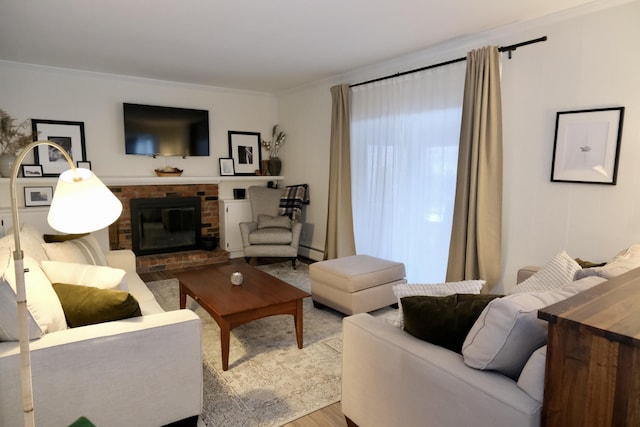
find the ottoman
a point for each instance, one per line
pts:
(355, 284)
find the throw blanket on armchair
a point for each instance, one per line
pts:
(293, 199)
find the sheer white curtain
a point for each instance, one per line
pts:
(404, 148)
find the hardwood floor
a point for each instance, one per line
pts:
(331, 416)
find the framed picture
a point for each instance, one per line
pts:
(69, 135)
(226, 166)
(244, 149)
(587, 146)
(31, 171)
(86, 164)
(38, 196)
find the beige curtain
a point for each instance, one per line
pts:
(475, 251)
(339, 241)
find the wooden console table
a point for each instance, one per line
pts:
(593, 356)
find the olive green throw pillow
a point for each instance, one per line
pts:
(86, 305)
(443, 321)
(57, 238)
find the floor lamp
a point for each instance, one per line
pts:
(81, 204)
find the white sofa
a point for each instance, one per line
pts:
(391, 378)
(142, 371)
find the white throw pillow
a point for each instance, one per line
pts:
(508, 331)
(30, 242)
(97, 276)
(84, 250)
(9, 330)
(436, 289)
(559, 271)
(42, 301)
(531, 380)
(624, 261)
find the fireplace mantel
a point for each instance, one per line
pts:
(154, 180)
(182, 180)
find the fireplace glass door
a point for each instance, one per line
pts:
(163, 225)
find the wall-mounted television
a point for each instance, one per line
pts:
(151, 130)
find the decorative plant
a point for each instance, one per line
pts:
(278, 138)
(13, 138)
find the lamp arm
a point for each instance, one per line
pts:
(14, 176)
(21, 294)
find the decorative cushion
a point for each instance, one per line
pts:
(271, 236)
(531, 380)
(84, 250)
(30, 242)
(57, 238)
(587, 272)
(268, 221)
(43, 305)
(97, 276)
(439, 289)
(443, 321)
(559, 271)
(86, 305)
(9, 330)
(588, 264)
(624, 261)
(508, 331)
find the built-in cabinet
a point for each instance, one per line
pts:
(232, 213)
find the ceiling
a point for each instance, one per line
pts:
(258, 45)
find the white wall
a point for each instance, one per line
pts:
(306, 116)
(96, 99)
(588, 62)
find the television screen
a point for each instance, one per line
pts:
(151, 130)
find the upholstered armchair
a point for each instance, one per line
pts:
(269, 234)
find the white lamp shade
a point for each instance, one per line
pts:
(82, 203)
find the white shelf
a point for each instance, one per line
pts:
(153, 180)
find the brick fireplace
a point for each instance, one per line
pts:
(120, 231)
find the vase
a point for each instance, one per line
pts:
(275, 164)
(6, 164)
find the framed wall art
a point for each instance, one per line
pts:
(32, 171)
(85, 165)
(226, 166)
(586, 148)
(69, 135)
(38, 196)
(244, 149)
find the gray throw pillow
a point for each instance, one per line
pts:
(268, 221)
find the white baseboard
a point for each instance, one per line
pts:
(311, 253)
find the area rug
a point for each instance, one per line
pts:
(270, 382)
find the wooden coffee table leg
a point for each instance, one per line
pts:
(225, 333)
(298, 322)
(183, 297)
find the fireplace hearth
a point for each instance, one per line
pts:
(165, 225)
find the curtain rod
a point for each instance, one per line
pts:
(509, 49)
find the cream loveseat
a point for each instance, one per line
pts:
(391, 378)
(142, 371)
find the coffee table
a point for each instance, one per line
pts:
(260, 295)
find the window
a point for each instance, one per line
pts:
(404, 152)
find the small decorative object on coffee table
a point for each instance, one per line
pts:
(261, 295)
(236, 278)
